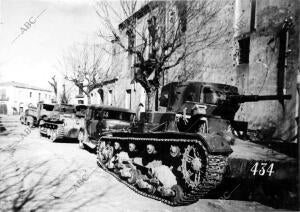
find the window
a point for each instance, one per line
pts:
(113, 114)
(128, 99)
(101, 93)
(80, 89)
(30, 94)
(2, 94)
(109, 99)
(244, 50)
(252, 16)
(64, 109)
(47, 107)
(131, 38)
(209, 96)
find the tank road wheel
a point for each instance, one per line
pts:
(151, 189)
(178, 194)
(193, 166)
(134, 175)
(80, 139)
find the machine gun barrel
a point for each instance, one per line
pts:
(255, 98)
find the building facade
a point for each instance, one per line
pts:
(259, 55)
(267, 62)
(16, 97)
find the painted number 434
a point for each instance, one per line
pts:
(262, 169)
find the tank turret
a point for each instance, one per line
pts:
(212, 98)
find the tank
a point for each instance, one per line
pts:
(65, 121)
(34, 116)
(180, 155)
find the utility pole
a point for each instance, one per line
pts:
(298, 121)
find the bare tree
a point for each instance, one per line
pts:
(53, 84)
(87, 67)
(162, 34)
(65, 96)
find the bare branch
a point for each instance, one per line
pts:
(163, 34)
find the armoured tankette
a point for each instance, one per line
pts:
(180, 155)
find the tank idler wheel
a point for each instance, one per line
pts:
(178, 194)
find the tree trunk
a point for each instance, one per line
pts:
(88, 99)
(150, 102)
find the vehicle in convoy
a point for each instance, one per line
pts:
(180, 155)
(64, 122)
(100, 120)
(33, 116)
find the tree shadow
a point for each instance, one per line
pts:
(30, 185)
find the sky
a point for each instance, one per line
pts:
(33, 57)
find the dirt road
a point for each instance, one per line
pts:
(37, 175)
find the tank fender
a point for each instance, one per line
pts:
(216, 144)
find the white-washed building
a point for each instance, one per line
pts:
(15, 97)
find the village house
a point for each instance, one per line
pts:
(16, 97)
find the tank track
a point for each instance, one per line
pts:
(216, 165)
(60, 132)
(58, 127)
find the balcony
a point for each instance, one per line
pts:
(4, 98)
